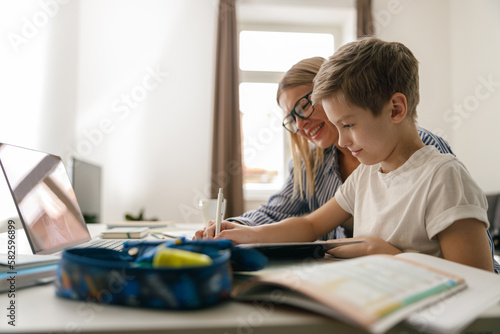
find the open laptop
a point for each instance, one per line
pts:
(46, 201)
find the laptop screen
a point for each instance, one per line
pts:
(45, 199)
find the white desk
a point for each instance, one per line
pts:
(38, 310)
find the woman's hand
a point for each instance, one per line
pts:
(207, 232)
(370, 246)
(240, 234)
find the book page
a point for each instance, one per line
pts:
(454, 314)
(376, 292)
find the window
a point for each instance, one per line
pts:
(265, 54)
(278, 51)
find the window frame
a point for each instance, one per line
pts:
(256, 191)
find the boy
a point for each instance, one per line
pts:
(411, 198)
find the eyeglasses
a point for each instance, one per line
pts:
(303, 109)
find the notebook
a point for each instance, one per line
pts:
(46, 202)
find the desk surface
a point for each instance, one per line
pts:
(38, 310)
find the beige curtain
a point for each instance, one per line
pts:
(226, 151)
(364, 18)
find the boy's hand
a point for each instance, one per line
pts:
(236, 232)
(370, 246)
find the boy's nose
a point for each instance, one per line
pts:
(344, 140)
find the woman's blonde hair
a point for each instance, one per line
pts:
(301, 74)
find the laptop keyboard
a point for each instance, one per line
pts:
(102, 243)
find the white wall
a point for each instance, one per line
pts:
(457, 45)
(66, 78)
(474, 113)
(423, 26)
(150, 132)
(38, 53)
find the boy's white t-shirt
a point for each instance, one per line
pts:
(409, 206)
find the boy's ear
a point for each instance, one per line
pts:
(398, 107)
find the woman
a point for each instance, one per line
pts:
(319, 166)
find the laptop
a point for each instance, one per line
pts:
(46, 202)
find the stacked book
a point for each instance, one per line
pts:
(26, 270)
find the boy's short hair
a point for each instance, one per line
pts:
(368, 72)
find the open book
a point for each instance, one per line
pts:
(377, 292)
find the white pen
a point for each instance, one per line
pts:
(218, 218)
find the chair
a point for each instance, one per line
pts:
(494, 218)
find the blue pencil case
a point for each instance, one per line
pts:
(127, 277)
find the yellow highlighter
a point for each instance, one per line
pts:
(178, 258)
